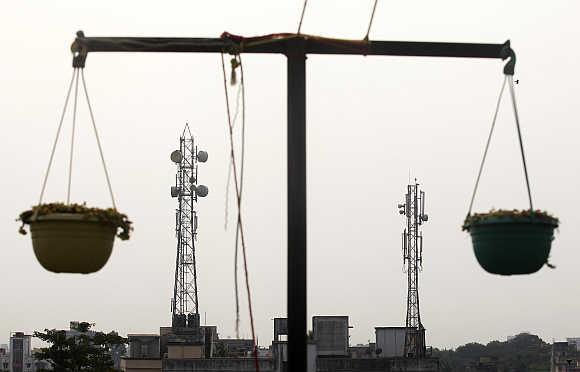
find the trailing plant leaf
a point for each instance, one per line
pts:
(110, 216)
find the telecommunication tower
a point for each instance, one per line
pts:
(184, 304)
(413, 208)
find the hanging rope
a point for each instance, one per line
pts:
(235, 63)
(513, 94)
(43, 188)
(75, 81)
(72, 139)
(487, 145)
(508, 78)
(238, 223)
(98, 140)
(302, 16)
(246, 272)
(228, 181)
(371, 20)
(239, 189)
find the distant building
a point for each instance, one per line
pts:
(191, 349)
(563, 359)
(574, 341)
(4, 358)
(363, 351)
(235, 348)
(390, 341)
(144, 354)
(20, 357)
(185, 349)
(143, 346)
(329, 350)
(331, 335)
(39, 364)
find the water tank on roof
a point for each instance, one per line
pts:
(331, 335)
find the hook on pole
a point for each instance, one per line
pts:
(79, 51)
(508, 52)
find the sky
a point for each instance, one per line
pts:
(373, 124)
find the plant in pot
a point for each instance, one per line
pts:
(68, 237)
(73, 238)
(510, 242)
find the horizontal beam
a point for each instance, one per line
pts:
(278, 44)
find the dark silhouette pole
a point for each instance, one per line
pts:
(297, 296)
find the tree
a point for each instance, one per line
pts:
(83, 350)
(522, 353)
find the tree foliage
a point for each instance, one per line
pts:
(525, 352)
(84, 350)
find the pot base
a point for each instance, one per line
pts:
(512, 246)
(71, 243)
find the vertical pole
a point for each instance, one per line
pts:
(297, 359)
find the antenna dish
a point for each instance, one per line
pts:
(175, 191)
(202, 156)
(201, 190)
(176, 156)
(192, 180)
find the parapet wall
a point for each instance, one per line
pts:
(217, 364)
(377, 364)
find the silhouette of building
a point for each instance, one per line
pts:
(563, 359)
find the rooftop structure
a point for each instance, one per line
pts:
(563, 359)
(331, 335)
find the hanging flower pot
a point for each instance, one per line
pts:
(74, 238)
(511, 242)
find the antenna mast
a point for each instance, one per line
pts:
(413, 208)
(184, 304)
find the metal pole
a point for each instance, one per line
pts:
(296, 85)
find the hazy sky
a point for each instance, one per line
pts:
(371, 122)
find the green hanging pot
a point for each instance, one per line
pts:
(511, 242)
(73, 238)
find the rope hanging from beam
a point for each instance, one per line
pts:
(238, 183)
(366, 38)
(509, 81)
(77, 72)
(302, 16)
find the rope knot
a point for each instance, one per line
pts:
(235, 64)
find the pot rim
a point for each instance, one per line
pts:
(68, 217)
(538, 219)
